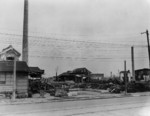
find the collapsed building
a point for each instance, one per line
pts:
(79, 75)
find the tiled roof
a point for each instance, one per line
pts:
(36, 70)
(8, 66)
(77, 71)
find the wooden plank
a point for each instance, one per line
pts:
(21, 77)
(22, 84)
(8, 83)
(22, 87)
(22, 81)
(22, 91)
(4, 88)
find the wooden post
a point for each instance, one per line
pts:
(125, 77)
(132, 60)
(14, 81)
(147, 34)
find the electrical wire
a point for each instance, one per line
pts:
(66, 40)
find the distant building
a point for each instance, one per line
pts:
(142, 74)
(121, 76)
(77, 75)
(96, 76)
(81, 71)
(35, 72)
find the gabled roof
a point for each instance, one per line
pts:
(36, 70)
(81, 71)
(68, 73)
(10, 48)
(76, 72)
(8, 66)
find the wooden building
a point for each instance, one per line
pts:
(35, 72)
(128, 74)
(77, 75)
(6, 77)
(142, 74)
(9, 53)
(7, 56)
(97, 76)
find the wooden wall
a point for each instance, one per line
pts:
(21, 82)
(8, 85)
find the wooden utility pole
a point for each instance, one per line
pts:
(147, 34)
(132, 60)
(14, 80)
(25, 33)
(56, 73)
(125, 77)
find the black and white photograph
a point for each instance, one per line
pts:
(74, 58)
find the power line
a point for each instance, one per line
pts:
(98, 58)
(124, 35)
(66, 40)
(88, 46)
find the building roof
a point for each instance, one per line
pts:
(97, 74)
(81, 71)
(36, 70)
(128, 71)
(143, 69)
(78, 72)
(10, 48)
(68, 73)
(8, 66)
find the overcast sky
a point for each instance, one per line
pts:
(68, 34)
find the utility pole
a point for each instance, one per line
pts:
(56, 73)
(132, 60)
(110, 74)
(147, 34)
(125, 77)
(25, 33)
(14, 81)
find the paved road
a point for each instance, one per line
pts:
(128, 106)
